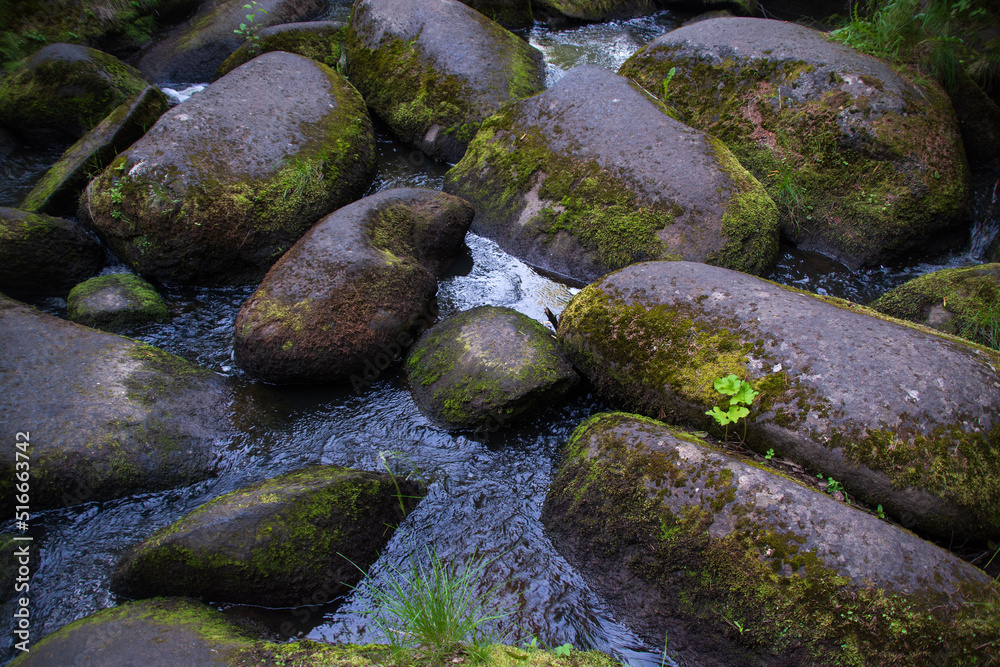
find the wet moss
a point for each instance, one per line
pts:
(116, 301)
(753, 588)
(848, 195)
(320, 45)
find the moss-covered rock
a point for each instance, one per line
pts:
(344, 300)
(511, 14)
(865, 164)
(115, 302)
(434, 71)
(486, 367)
(40, 254)
(592, 175)
(902, 416)
(107, 416)
(227, 181)
(64, 90)
(167, 632)
(738, 565)
(964, 302)
(194, 50)
(319, 40)
(57, 192)
(276, 543)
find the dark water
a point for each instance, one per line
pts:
(484, 494)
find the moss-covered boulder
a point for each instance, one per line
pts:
(40, 254)
(116, 302)
(592, 175)
(738, 565)
(511, 14)
(319, 40)
(59, 189)
(964, 302)
(865, 164)
(167, 632)
(902, 416)
(275, 543)
(193, 51)
(64, 90)
(344, 300)
(486, 367)
(107, 416)
(434, 71)
(595, 10)
(227, 181)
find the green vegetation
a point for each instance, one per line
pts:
(249, 30)
(434, 612)
(939, 37)
(742, 396)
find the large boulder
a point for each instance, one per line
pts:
(595, 10)
(486, 367)
(434, 71)
(57, 192)
(742, 566)
(107, 416)
(866, 165)
(227, 181)
(191, 52)
(964, 302)
(319, 40)
(592, 175)
(901, 416)
(511, 14)
(275, 543)
(352, 289)
(116, 302)
(63, 90)
(41, 255)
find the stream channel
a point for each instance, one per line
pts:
(485, 493)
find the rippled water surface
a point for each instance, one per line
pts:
(484, 494)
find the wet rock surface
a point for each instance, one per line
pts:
(227, 181)
(345, 300)
(485, 368)
(868, 166)
(592, 175)
(738, 565)
(116, 302)
(434, 71)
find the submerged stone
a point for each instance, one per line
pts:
(41, 255)
(294, 540)
(486, 367)
(64, 90)
(964, 302)
(192, 51)
(345, 300)
(901, 416)
(57, 192)
(318, 40)
(865, 164)
(227, 181)
(434, 71)
(592, 175)
(115, 302)
(107, 416)
(739, 565)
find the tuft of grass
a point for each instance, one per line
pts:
(983, 326)
(433, 612)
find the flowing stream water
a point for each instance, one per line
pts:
(484, 495)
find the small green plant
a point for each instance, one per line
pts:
(879, 512)
(666, 81)
(741, 397)
(249, 30)
(384, 457)
(432, 612)
(563, 651)
(769, 455)
(833, 486)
